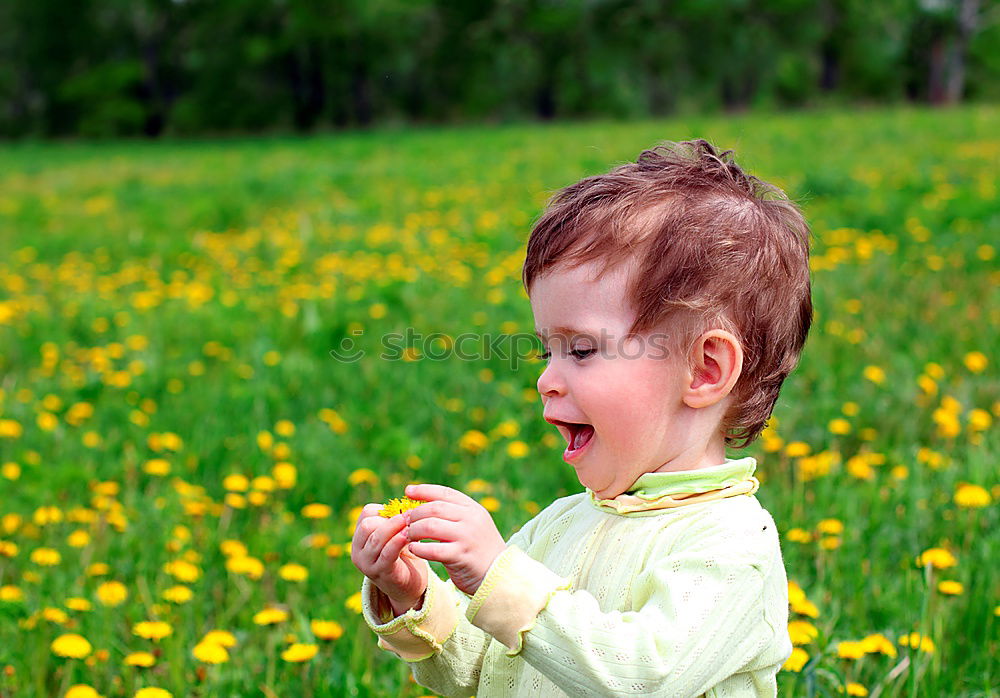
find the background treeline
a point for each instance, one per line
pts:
(134, 67)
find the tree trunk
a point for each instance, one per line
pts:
(968, 21)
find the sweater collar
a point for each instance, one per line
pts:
(666, 490)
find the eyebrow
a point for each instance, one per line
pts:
(561, 329)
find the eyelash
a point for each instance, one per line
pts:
(580, 354)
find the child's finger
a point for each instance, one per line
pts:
(429, 492)
(380, 535)
(435, 529)
(440, 552)
(392, 549)
(437, 509)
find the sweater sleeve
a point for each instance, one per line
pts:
(698, 619)
(444, 650)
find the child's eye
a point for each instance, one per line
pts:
(546, 356)
(582, 353)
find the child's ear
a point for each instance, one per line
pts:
(716, 361)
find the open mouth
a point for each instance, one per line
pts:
(577, 434)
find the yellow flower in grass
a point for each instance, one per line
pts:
(316, 511)
(517, 449)
(8, 549)
(246, 565)
(178, 594)
(354, 602)
(971, 496)
(293, 572)
(917, 641)
(362, 475)
(54, 615)
(82, 690)
(233, 548)
(473, 441)
(490, 504)
(112, 593)
(285, 475)
(236, 483)
(152, 629)
(939, 558)
(210, 653)
(326, 629)
(802, 632)
(799, 535)
(850, 650)
(71, 645)
(220, 637)
(875, 374)
(78, 539)
(950, 587)
(299, 652)
(398, 506)
(46, 557)
(11, 593)
(831, 527)
(976, 361)
(856, 689)
(270, 616)
(77, 604)
(153, 692)
(156, 466)
(878, 644)
(143, 659)
(182, 570)
(796, 660)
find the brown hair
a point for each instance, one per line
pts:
(710, 243)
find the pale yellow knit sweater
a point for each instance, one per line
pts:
(654, 593)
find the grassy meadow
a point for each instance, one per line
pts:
(182, 457)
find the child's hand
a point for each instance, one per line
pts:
(379, 551)
(469, 540)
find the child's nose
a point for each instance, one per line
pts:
(550, 383)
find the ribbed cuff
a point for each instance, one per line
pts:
(515, 590)
(417, 634)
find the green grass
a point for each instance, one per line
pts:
(150, 281)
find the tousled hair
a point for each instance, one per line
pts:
(708, 245)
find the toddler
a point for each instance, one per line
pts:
(672, 298)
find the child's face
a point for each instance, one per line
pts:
(629, 393)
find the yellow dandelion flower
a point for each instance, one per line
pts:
(210, 653)
(82, 690)
(270, 616)
(11, 593)
(490, 504)
(236, 483)
(220, 637)
(9, 429)
(398, 506)
(831, 527)
(802, 632)
(850, 650)
(246, 565)
(950, 587)
(78, 539)
(799, 535)
(830, 543)
(152, 629)
(976, 361)
(153, 692)
(111, 593)
(856, 689)
(71, 645)
(796, 660)
(326, 629)
(517, 449)
(878, 643)
(939, 558)
(143, 659)
(156, 466)
(182, 570)
(839, 426)
(875, 374)
(354, 602)
(979, 419)
(473, 441)
(478, 486)
(971, 496)
(75, 603)
(917, 641)
(299, 652)
(285, 475)
(178, 594)
(293, 572)
(362, 475)
(233, 548)
(8, 549)
(46, 557)
(797, 449)
(10, 471)
(316, 511)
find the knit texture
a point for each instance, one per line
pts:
(586, 601)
